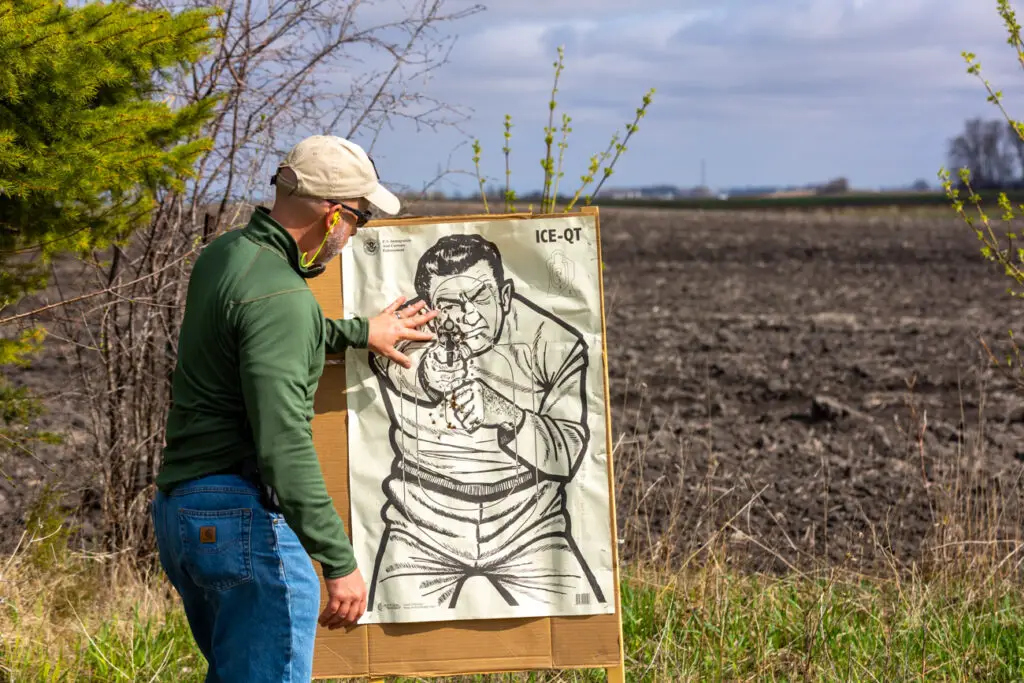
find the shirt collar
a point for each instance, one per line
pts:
(267, 232)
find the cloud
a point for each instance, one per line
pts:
(852, 82)
(819, 48)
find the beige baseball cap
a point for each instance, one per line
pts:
(330, 167)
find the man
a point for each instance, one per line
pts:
(242, 505)
(488, 427)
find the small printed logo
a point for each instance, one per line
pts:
(207, 534)
(370, 246)
(561, 274)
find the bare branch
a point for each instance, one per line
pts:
(283, 70)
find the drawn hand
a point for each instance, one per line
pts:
(387, 329)
(476, 405)
(346, 601)
(467, 406)
(440, 375)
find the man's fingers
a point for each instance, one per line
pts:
(418, 306)
(417, 335)
(469, 401)
(421, 319)
(330, 609)
(340, 617)
(390, 310)
(361, 610)
(468, 422)
(344, 616)
(352, 613)
(470, 407)
(407, 312)
(467, 416)
(398, 357)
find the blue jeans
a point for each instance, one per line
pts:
(249, 589)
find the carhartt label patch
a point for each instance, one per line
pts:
(207, 534)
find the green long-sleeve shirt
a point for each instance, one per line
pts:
(250, 355)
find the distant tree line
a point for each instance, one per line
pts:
(992, 151)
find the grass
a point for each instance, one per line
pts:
(956, 616)
(826, 628)
(71, 624)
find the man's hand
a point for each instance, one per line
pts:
(346, 601)
(392, 326)
(476, 405)
(438, 374)
(467, 406)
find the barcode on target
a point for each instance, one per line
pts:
(582, 599)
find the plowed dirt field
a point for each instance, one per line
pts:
(792, 388)
(807, 388)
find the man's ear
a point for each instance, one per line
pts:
(507, 290)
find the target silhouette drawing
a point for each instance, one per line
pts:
(486, 429)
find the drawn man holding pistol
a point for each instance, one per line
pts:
(488, 426)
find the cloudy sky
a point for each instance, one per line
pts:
(767, 93)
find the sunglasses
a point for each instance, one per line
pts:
(362, 217)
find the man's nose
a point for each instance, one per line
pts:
(469, 312)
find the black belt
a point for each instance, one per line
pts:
(248, 469)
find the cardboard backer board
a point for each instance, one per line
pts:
(459, 647)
